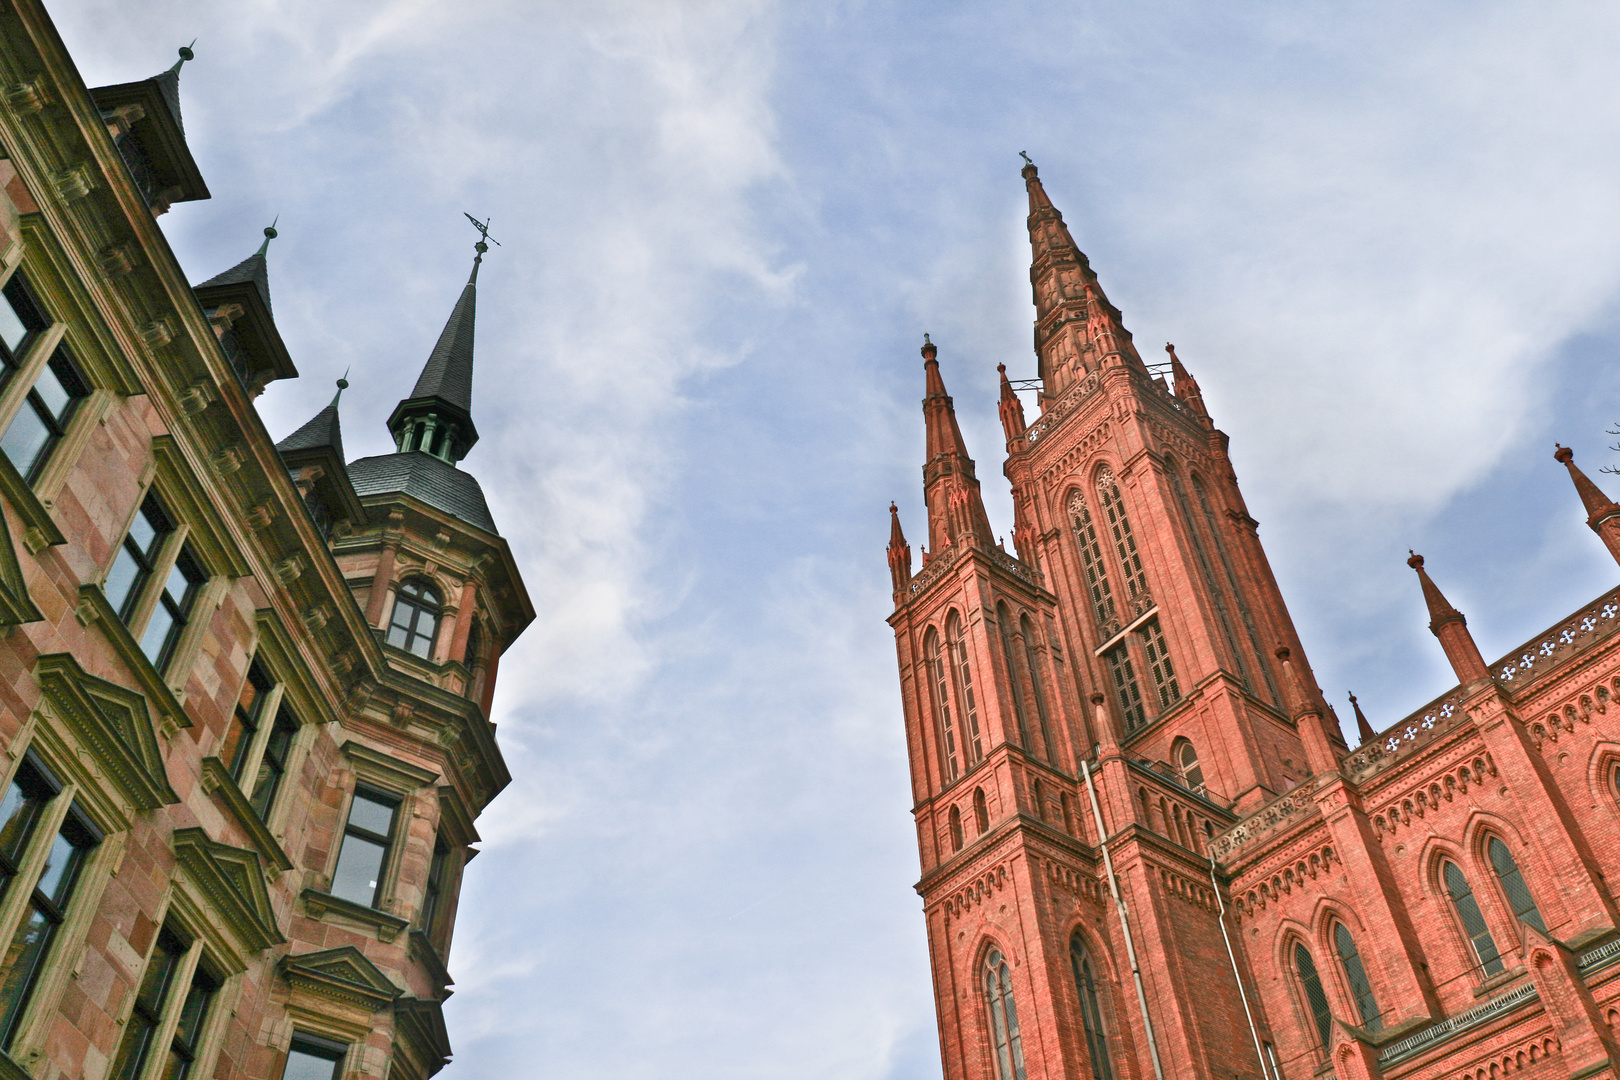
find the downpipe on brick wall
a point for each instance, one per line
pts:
(1124, 922)
(1232, 956)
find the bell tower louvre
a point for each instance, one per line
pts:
(1146, 848)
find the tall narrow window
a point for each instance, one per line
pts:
(47, 906)
(1091, 560)
(1126, 688)
(939, 675)
(137, 557)
(313, 1058)
(981, 812)
(416, 618)
(1037, 685)
(433, 893)
(1085, 982)
(366, 840)
(1015, 682)
(1355, 973)
(998, 992)
(21, 317)
(188, 1029)
(1479, 935)
(173, 611)
(1518, 893)
(234, 751)
(24, 801)
(1192, 773)
(955, 823)
(1159, 666)
(957, 641)
(1119, 530)
(1315, 998)
(150, 999)
(43, 419)
(273, 763)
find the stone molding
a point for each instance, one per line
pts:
(217, 780)
(387, 926)
(112, 724)
(232, 879)
(341, 975)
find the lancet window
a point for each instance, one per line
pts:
(1037, 684)
(955, 823)
(1091, 1021)
(1015, 680)
(1122, 673)
(1124, 541)
(1355, 973)
(1207, 569)
(1091, 561)
(956, 641)
(1513, 886)
(1310, 981)
(1158, 664)
(1473, 922)
(981, 812)
(1186, 762)
(1004, 1037)
(939, 676)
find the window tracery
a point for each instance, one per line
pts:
(1004, 1036)
(1091, 1021)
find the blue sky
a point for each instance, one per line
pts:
(1385, 237)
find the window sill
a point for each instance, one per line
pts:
(94, 607)
(217, 780)
(1496, 982)
(39, 530)
(318, 904)
(10, 1070)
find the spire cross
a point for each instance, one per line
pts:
(1026, 158)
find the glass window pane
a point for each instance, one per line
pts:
(52, 393)
(371, 814)
(24, 800)
(25, 438)
(157, 632)
(17, 969)
(359, 869)
(121, 579)
(177, 585)
(144, 530)
(61, 865)
(304, 1065)
(12, 330)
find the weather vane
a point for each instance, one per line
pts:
(483, 233)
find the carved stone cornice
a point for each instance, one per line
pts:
(387, 927)
(232, 880)
(342, 975)
(112, 725)
(218, 781)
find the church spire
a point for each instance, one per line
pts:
(899, 554)
(1186, 387)
(1602, 515)
(1076, 327)
(1012, 410)
(1364, 729)
(437, 417)
(1449, 625)
(955, 507)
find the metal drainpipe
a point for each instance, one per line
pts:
(1232, 956)
(1124, 923)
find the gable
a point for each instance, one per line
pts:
(232, 880)
(111, 723)
(343, 975)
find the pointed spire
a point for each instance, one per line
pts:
(955, 507)
(1012, 410)
(254, 270)
(1451, 627)
(1307, 712)
(1186, 388)
(269, 235)
(342, 385)
(324, 429)
(1602, 515)
(1362, 727)
(899, 555)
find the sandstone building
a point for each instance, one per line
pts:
(244, 685)
(1147, 850)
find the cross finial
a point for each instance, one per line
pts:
(1026, 158)
(925, 339)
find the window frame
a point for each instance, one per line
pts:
(956, 648)
(1317, 1007)
(1001, 1014)
(1338, 934)
(936, 658)
(319, 1047)
(1475, 958)
(390, 843)
(1490, 844)
(1089, 1002)
(57, 426)
(420, 606)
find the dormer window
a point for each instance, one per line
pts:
(416, 618)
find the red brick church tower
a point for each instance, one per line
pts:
(1147, 850)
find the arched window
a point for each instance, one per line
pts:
(1085, 982)
(939, 675)
(1068, 813)
(1015, 679)
(1355, 973)
(956, 829)
(998, 993)
(1119, 530)
(964, 688)
(416, 617)
(1038, 797)
(1315, 998)
(1037, 686)
(1518, 893)
(1473, 923)
(1091, 560)
(1186, 759)
(981, 812)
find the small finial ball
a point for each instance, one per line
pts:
(1563, 454)
(480, 247)
(1097, 699)
(1416, 560)
(270, 232)
(343, 384)
(893, 509)
(186, 53)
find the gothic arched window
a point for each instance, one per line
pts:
(1119, 531)
(1015, 680)
(1473, 923)
(1037, 686)
(939, 676)
(1091, 560)
(1355, 973)
(1085, 982)
(957, 642)
(981, 812)
(1186, 761)
(1518, 893)
(998, 993)
(1315, 998)
(956, 829)
(416, 617)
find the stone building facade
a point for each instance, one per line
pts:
(244, 686)
(1147, 850)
